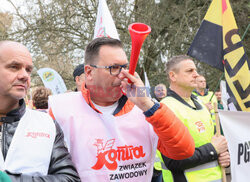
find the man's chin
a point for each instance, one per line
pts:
(19, 95)
(117, 95)
(112, 99)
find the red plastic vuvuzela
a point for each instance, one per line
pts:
(138, 33)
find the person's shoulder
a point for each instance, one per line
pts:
(199, 100)
(210, 92)
(166, 100)
(64, 96)
(40, 114)
(34, 111)
(67, 94)
(194, 92)
(126, 108)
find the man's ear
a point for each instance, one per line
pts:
(88, 70)
(172, 76)
(77, 79)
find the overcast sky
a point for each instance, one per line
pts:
(6, 6)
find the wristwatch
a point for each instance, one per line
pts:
(152, 110)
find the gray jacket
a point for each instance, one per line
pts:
(61, 168)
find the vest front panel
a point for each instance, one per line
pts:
(31, 146)
(104, 147)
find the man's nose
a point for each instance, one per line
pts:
(23, 74)
(195, 74)
(120, 75)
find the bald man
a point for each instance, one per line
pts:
(32, 145)
(160, 91)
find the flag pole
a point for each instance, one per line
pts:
(143, 69)
(221, 77)
(104, 29)
(218, 133)
(243, 36)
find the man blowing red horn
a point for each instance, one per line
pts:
(112, 136)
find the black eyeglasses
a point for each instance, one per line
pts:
(114, 69)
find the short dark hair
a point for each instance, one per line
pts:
(93, 48)
(172, 62)
(78, 71)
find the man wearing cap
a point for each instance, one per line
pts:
(79, 76)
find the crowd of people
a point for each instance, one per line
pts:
(109, 129)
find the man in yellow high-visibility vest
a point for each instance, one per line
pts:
(211, 151)
(205, 95)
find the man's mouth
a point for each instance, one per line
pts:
(21, 86)
(116, 85)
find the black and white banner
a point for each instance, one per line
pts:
(236, 128)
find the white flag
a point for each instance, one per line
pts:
(236, 127)
(147, 84)
(52, 80)
(104, 26)
(225, 98)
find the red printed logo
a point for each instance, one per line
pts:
(102, 32)
(200, 126)
(108, 156)
(37, 134)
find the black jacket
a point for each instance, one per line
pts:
(61, 168)
(203, 154)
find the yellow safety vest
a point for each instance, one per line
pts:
(200, 126)
(160, 166)
(206, 99)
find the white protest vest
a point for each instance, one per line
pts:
(31, 146)
(104, 147)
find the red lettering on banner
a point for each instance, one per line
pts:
(108, 157)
